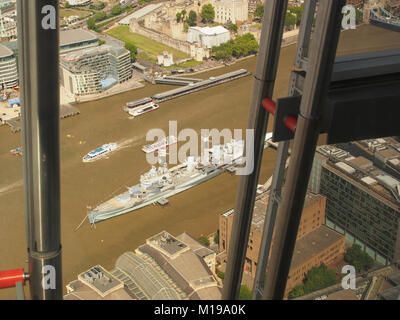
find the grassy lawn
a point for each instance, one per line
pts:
(153, 48)
(186, 64)
(74, 12)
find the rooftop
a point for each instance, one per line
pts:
(5, 52)
(140, 13)
(312, 244)
(167, 244)
(210, 30)
(68, 37)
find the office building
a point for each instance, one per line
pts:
(8, 68)
(230, 11)
(93, 70)
(363, 202)
(315, 243)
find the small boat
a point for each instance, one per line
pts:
(164, 143)
(16, 151)
(138, 111)
(100, 152)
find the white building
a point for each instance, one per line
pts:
(208, 37)
(79, 2)
(166, 59)
(231, 10)
(8, 68)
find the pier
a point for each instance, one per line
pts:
(190, 88)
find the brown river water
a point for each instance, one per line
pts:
(195, 211)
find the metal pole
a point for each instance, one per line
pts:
(317, 82)
(264, 80)
(282, 157)
(38, 43)
(270, 217)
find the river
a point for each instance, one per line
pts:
(195, 211)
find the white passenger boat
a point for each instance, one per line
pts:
(100, 152)
(164, 143)
(138, 111)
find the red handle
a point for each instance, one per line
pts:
(9, 278)
(270, 105)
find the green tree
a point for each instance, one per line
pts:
(204, 240)
(116, 10)
(132, 49)
(233, 27)
(317, 278)
(207, 13)
(259, 12)
(183, 13)
(101, 42)
(221, 275)
(359, 259)
(100, 16)
(290, 19)
(178, 17)
(192, 19)
(297, 12)
(245, 293)
(91, 24)
(297, 291)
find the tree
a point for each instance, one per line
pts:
(191, 20)
(132, 49)
(221, 275)
(259, 12)
(317, 278)
(178, 17)
(91, 24)
(116, 10)
(207, 13)
(204, 241)
(297, 12)
(290, 19)
(101, 42)
(359, 259)
(233, 27)
(100, 16)
(183, 13)
(245, 293)
(297, 291)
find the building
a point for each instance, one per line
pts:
(97, 284)
(230, 11)
(141, 13)
(314, 240)
(165, 59)
(8, 68)
(363, 202)
(164, 268)
(76, 39)
(74, 3)
(322, 245)
(208, 37)
(186, 263)
(93, 70)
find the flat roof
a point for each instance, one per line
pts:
(210, 30)
(5, 52)
(167, 243)
(312, 244)
(68, 37)
(140, 13)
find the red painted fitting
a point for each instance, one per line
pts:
(269, 105)
(291, 123)
(9, 278)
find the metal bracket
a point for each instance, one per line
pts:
(285, 107)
